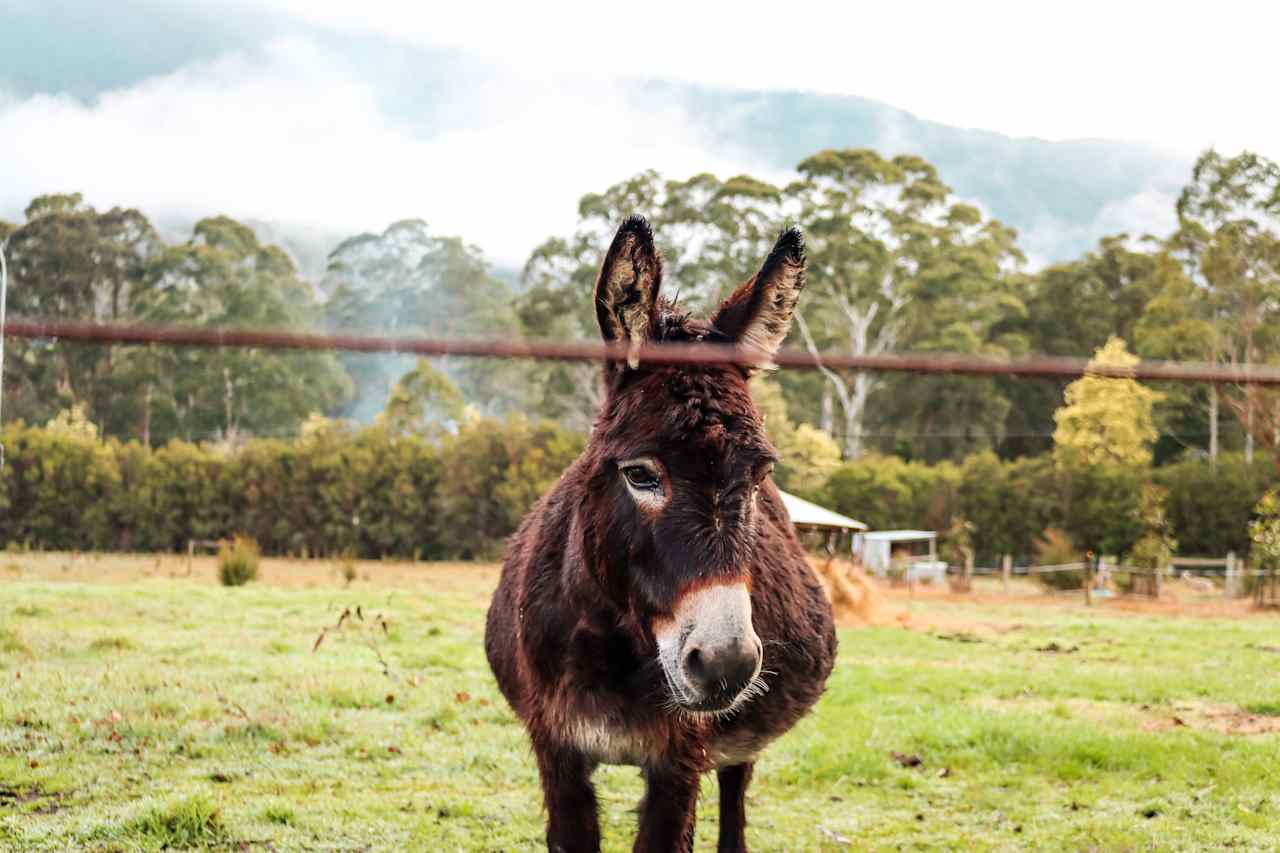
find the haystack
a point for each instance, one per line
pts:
(855, 597)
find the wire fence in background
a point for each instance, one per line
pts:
(953, 364)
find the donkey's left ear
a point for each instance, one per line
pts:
(758, 314)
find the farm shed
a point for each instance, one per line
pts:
(819, 525)
(877, 550)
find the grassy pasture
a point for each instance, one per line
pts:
(140, 710)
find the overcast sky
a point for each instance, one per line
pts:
(1183, 74)
(313, 112)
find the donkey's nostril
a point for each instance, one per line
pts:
(719, 673)
(695, 667)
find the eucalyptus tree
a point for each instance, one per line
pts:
(68, 261)
(408, 281)
(1229, 238)
(223, 276)
(896, 261)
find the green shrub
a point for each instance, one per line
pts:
(1102, 511)
(1055, 548)
(492, 472)
(238, 561)
(886, 492)
(1210, 506)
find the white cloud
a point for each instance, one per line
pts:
(294, 134)
(1150, 211)
(1178, 74)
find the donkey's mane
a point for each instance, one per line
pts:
(676, 325)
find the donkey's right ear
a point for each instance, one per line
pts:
(627, 288)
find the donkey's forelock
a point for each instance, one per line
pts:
(683, 408)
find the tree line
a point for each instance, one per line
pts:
(897, 262)
(374, 491)
(336, 489)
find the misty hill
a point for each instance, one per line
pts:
(1061, 195)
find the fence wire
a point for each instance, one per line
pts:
(950, 364)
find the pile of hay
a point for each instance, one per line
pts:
(855, 597)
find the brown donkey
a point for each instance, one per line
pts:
(655, 608)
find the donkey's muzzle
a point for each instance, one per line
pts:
(709, 650)
(718, 672)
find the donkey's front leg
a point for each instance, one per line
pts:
(733, 807)
(667, 810)
(572, 823)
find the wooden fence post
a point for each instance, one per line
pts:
(968, 570)
(1229, 585)
(1088, 579)
(1006, 568)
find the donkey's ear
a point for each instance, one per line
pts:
(627, 288)
(758, 313)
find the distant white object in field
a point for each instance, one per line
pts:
(1197, 583)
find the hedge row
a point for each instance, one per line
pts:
(368, 492)
(373, 492)
(1012, 503)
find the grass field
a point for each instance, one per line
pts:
(140, 710)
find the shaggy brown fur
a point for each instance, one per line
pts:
(591, 572)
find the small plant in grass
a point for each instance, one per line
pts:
(11, 643)
(280, 814)
(238, 561)
(347, 567)
(193, 822)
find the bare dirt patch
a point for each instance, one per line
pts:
(1216, 717)
(1188, 716)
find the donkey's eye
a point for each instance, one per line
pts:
(641, 477)
(763, 472)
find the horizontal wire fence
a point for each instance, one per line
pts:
(952, 364)
(1234, 577)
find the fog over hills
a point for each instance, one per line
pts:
(313, 135)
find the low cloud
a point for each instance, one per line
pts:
(293, 133)
(1151, 211)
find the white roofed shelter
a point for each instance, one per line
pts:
(809, 518)
(806, 514)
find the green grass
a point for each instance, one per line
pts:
(162, 713)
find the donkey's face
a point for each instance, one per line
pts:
(681, 455)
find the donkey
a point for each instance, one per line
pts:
(655, 607)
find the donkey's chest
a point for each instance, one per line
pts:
(607, 742)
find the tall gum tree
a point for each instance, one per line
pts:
(223, 276)
(1229, 238)
(69, 261)
(888, 246)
